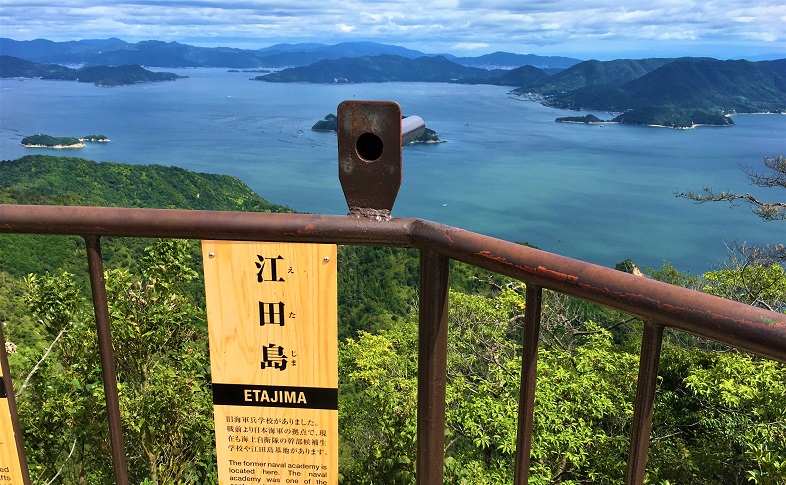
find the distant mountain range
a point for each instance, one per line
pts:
(13, 67)
(116, 52)
(381, 68)
(392, 68)
(506, 60)
(670, 92)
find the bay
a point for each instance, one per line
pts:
(507, 169)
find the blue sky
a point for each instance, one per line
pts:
(601, 29)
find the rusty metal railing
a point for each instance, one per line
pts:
(368, 186)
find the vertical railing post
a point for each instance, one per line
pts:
(100, 306)
(8, 394)
(529, 363)
(645, 403)
(432, 366)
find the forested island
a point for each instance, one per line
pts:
(587, 119)
(96, 138)
(330, 123)
(717, 413)
(47, 141)
(106, 76)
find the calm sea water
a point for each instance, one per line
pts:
(507, 169)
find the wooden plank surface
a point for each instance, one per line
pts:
(272, 319)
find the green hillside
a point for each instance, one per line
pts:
(42, 179)
(731, 86)
(594, 73)
(667, 92)
(51, 180)
(706, 84)
(520, 76)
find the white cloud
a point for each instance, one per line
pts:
(469, 46)
(436, 26)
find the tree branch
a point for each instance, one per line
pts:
(38, 364)
(769, 211)
(778, 177)
(50, 482)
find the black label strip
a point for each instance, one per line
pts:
(275, 396)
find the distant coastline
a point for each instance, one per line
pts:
(658, 116)
(76, 145)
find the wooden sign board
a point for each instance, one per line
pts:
(272, 322)
(10, 464)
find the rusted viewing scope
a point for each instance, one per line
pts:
(412, 128)
(370, 137)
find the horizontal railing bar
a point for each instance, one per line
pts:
(197, 224)
(742, 326)
(748, 328)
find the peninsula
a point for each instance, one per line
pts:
(675, 93)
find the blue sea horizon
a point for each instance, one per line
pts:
(507, 169)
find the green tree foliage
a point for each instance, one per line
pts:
(758, 285)
(718, 416)
(376, 288)
(62, 409)
(378, 406)
(18, 326)
(580, 415)
(160, 340)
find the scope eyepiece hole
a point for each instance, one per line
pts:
(369, 147)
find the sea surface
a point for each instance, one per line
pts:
(507, 169)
